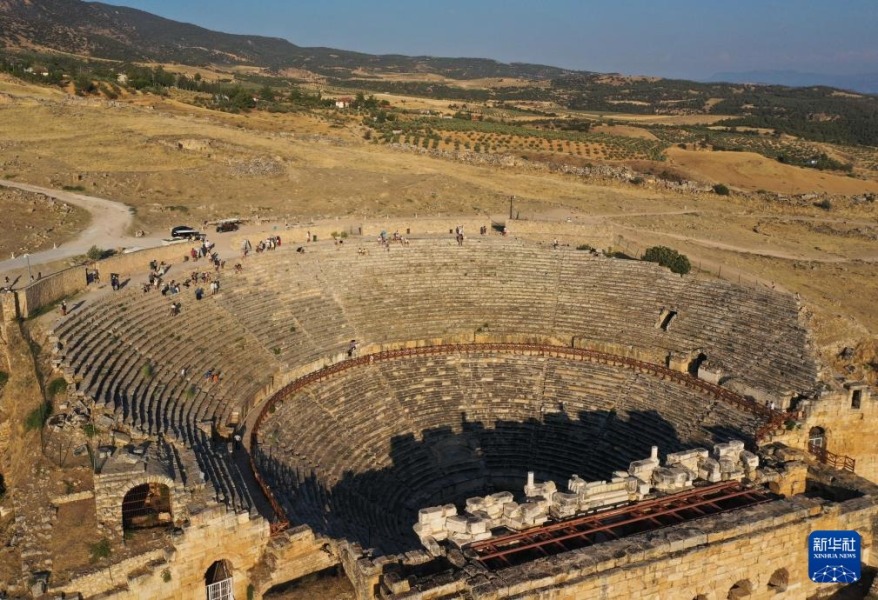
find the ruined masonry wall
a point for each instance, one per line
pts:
(178, 573)
(699, 564)
(110, 491)
(848, 430)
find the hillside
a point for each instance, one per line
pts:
(94, 30)
(126, 34)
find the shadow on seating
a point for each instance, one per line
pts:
(377, 508)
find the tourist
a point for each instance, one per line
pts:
(352, 348)
(63, 308)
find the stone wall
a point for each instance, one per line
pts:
(291, 555)
(752, 548)
(50, 289)
(68, 282)
(178, 572)
(849, 431)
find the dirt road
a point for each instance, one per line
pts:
(108, 228)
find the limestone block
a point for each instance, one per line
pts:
(668, 479)
(605, 499)
(575, 483)
(632, 487)
(711, 373)
(749, 460)
(563, 499)
(642, 469)
(476, 525)
(545, 489)
(456, 524)
(510, 508)
(532, 510)
(562, 512)
(500, 498)
(688, 458)
(730, 469)
(710, 470)
(731, 449)
(449, 510)
(431, 514)
(475, 503)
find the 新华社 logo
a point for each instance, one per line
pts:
(834, 556)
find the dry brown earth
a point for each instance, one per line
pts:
(751, 171)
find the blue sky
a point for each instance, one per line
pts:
(672, 38)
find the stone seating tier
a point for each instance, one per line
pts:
(402, 434)
(289, 310)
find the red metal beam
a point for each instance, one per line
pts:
(504, 547)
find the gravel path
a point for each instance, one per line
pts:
(108, 228)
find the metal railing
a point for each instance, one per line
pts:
(831, 459)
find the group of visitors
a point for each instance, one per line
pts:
(458, 234)
(269, 243)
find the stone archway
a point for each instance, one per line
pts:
(114, 493)
(147, 505)
(219, 581)
(817, 438)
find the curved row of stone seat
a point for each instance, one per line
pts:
(434, 289)
(288, 309)
(126, 352)
(401, 433)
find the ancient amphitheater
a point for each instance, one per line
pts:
(502, 419)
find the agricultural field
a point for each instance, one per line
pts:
(505, 138)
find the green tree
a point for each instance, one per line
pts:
(720, 190)
(266, 94)
(668, 257)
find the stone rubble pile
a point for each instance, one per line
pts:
(543, 502)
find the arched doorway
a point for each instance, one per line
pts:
(816, 438)
(218, 581)
(147, 505)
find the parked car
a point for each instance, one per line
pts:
(184, 232)
(224, 226)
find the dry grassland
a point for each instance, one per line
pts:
(32, 222)
(750, 171)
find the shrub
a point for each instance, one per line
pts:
(147, 371)
(37, 418)
(4, 377)
(668, 257)
(585, 247)
(825, 204)
(720, 190)
(166, 575)
(637, 180)
(95, 253)
(100, 549)
(57, 386)
(89, 429)
(2, 486)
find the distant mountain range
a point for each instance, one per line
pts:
(866, 83)
(56, 34)
(127, 34)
